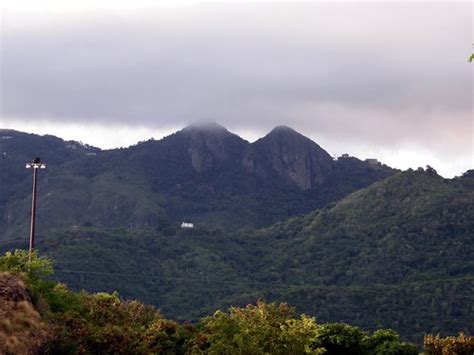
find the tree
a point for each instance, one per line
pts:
(340, 339)
(17, 262)
(260, 329)
(387, 342)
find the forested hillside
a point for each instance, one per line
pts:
(397, 254)
(39, 316)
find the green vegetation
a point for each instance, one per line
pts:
(261, 329)
(104, 323)
(38, 268)
(69, 323)
(395, 255)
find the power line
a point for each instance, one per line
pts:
(179, 280)
(168, 280)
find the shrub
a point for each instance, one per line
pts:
(387, 342)
(453, 345)
(18, 262)
(340, 339)
(259, 329)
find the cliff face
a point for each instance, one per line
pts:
(21, 329)
(283, 152)
(290, 155)
(210, 145)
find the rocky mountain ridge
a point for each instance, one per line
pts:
(202, 173)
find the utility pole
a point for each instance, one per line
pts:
(35, 165)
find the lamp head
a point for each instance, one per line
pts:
(36, 164)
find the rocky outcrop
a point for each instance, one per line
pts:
(292, 156)
(210, 144)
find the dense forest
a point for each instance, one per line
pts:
(42, 316)
(364, 260)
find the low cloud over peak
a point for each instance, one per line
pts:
(388, 75)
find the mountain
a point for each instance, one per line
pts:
(203, 174)
(16, 149)
(397, 254)
(291, 156)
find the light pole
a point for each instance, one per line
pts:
(35, 165)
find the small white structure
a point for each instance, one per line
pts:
(187, 225)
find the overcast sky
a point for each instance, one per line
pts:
(388, 80)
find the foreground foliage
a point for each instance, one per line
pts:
(261, 329)
(458, 345)
(84, 323)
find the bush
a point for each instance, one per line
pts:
(107, 325)
(18, 262)
(340, 339)
(387, 342)
(259, 329)
(344, 339)
(454, 345)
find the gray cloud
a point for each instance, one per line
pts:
(383, 74)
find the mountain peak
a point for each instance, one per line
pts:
(283, 128)
(294, 157)
(284, 135)
(209, 145)
(206, 126)
(287, 136)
